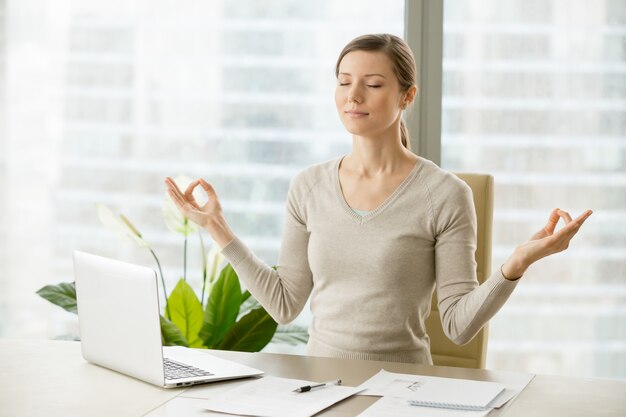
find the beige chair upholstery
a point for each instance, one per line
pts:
(474, 353)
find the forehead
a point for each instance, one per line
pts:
(358, 63)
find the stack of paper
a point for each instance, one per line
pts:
(419, 395)
(273, 396)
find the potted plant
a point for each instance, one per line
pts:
(223, 317)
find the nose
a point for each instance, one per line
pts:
(354, 96)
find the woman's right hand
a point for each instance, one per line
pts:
(208, 216)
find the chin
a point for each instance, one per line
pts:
(354, 128)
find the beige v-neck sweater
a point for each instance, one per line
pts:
(371, 278)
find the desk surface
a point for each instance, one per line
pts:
(50, 378)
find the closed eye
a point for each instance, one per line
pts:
(371, 86)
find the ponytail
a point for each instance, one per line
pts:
(404, 135)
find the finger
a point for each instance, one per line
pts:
(208, 188)
(171, 185)
(178, 197)
(553, 220)
(178, 201)
(578, 222)
(565, 216)
(569, 231)
(581, 219)
(189, 194)
(173, 196)
(174, 191)
(566, 233)
(190, 188)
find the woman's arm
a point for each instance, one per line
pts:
(464, 305)
(283, 291)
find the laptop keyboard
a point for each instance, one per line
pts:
(177, 370)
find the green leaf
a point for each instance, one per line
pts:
(186, 312)
(251, 333)
(222, 307)
(171, 335)
(248, 304)
(63, 295)
(291, 334)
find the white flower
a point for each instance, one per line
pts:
(215, 259)
(174, 219)
(120, 225)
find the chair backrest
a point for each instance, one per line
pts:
(474, 353)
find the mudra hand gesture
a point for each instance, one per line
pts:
(544, 243)
(209, 215)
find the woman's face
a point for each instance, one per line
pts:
(367, 96)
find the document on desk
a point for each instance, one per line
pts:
(399, 385)
(399, 407)
(273, 396)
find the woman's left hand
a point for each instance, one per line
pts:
(544, 243)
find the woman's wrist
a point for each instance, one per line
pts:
(220, 232)
(509, 276)
(514, 268)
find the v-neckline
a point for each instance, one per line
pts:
(362, 219)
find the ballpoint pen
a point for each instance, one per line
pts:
(307, 388)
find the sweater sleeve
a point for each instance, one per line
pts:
(283, 291)
(464, 305)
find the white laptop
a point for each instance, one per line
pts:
(118, 314)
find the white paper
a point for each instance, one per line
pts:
(446, 392)
(399, 407)
(274, 397)
(388, 383)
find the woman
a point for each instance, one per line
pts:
(369, 236)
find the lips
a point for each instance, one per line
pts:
(356, 114)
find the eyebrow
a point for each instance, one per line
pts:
(366, 75)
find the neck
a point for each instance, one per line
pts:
(373, 155)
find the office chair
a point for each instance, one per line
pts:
(473, 354)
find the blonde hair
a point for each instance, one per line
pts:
(402, 60)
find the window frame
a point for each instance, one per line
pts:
(423, 31)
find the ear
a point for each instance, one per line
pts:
(409, 96)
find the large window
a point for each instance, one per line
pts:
(100, 100)
(106, 98)
(534, 92)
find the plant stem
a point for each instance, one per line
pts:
(203, 268)
(167, 308)
(186, 223)
(185, 261)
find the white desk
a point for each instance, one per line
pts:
(49, 379)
